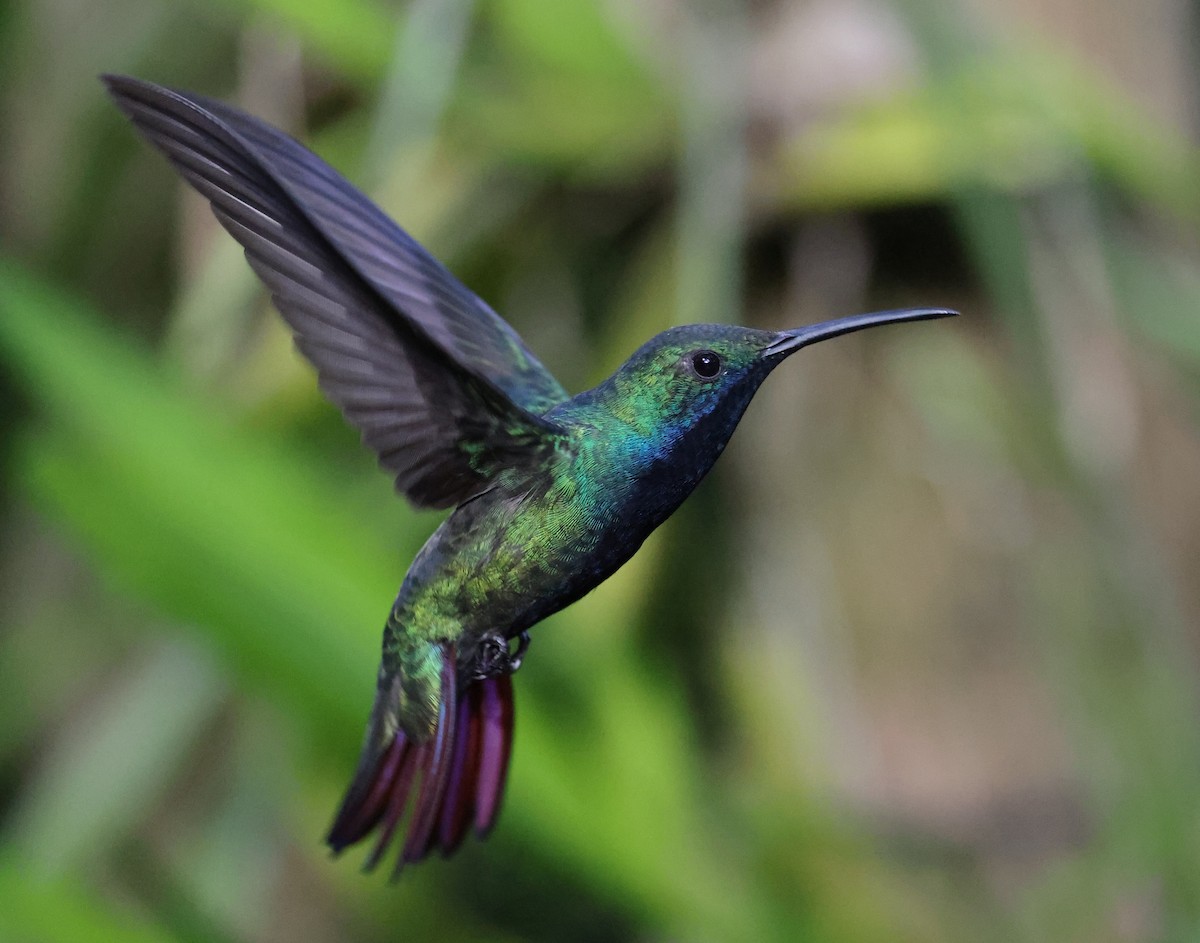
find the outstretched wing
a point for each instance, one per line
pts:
(442, 389)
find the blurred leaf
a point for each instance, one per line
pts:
(161, 491)
(579, 39)
(107, 771)
(566, 92)
(419, 80)
(36, 910)
(356, 35)
(713, 165)
(1013, 121)
(1159, 291)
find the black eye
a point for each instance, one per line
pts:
(706, 364)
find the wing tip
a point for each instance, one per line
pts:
(126, 89)
(116, 82)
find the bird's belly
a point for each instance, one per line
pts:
(532, 589)
(532, 573)
(503, 568)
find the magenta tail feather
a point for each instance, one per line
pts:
(459, 802)
(462, 772)
(495, 748)
(414, 758)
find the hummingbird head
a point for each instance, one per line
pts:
(695, 381)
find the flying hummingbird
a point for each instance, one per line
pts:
(551, 492)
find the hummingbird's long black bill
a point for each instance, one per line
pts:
(791, 341)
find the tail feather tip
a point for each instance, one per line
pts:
(461, 773)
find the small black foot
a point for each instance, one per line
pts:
(495, 658)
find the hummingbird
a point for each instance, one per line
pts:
(550, 493)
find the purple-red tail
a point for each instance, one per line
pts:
(461, 772)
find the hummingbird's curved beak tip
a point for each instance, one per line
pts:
(788, 342)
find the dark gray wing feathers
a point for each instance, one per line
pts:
(396, 266)
(387, 327)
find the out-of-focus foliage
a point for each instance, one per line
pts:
(918, 662)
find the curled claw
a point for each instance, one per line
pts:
(494, 657)
(517, 657)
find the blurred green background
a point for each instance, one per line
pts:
(918, 660)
